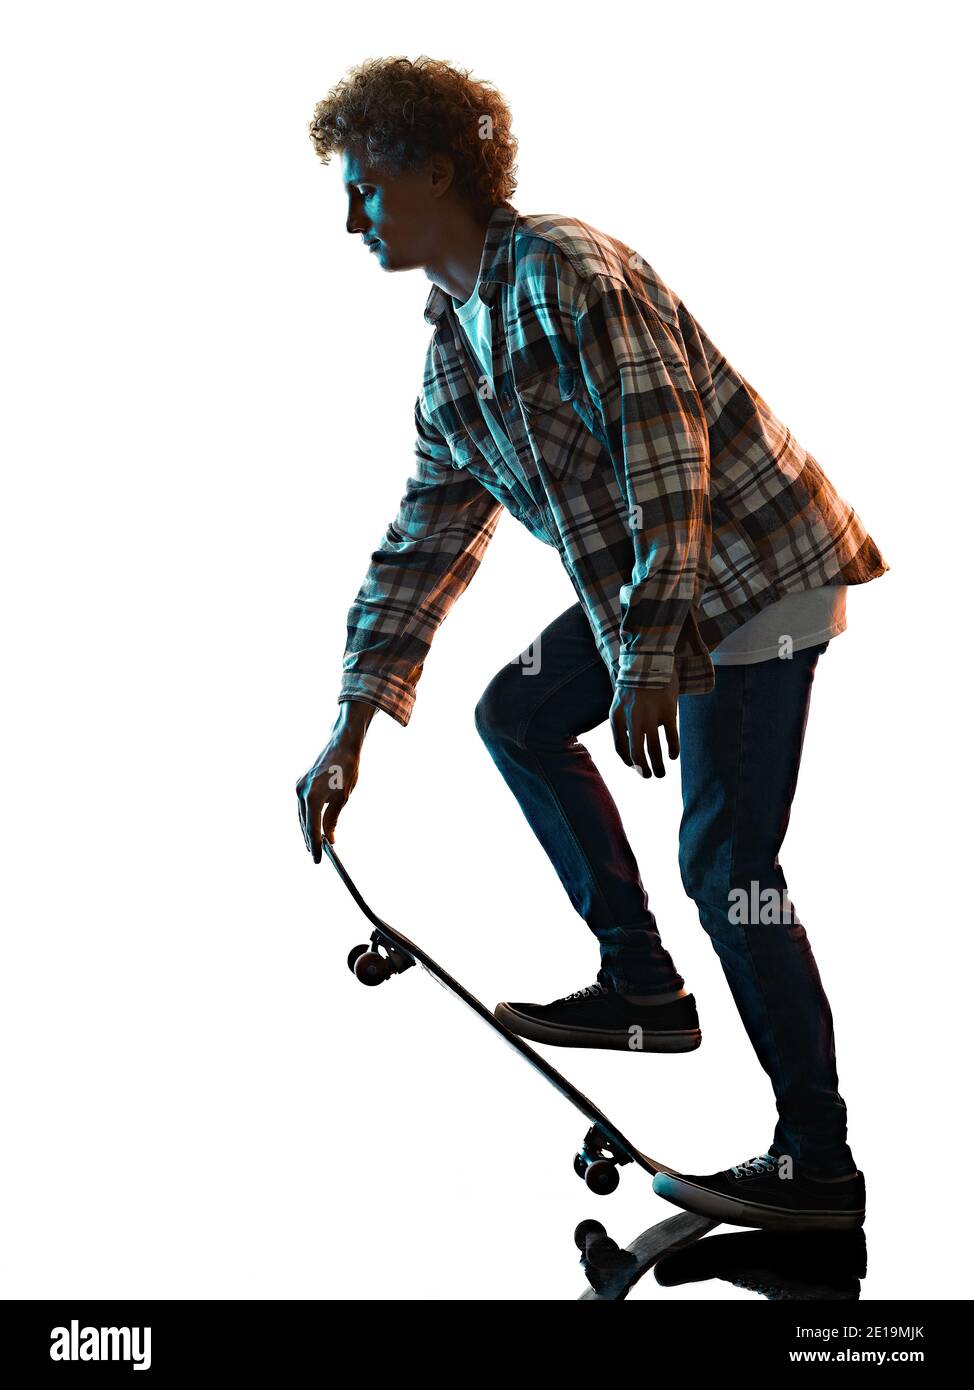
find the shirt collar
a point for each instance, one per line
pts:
(496, 262)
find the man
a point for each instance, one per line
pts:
(710, 556)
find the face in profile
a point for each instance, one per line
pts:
(395, 213)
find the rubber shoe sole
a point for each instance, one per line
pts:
(632, 1039)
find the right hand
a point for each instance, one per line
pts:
(328, 783)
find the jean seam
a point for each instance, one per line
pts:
(738, 793)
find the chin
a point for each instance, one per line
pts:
(390, 261)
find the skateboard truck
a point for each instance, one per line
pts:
(371, 967)
(598, 1164)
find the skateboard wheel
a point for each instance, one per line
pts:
(602, 1177)
(585, 1229)
(354, 954)
(580, 1165)
(372, 969)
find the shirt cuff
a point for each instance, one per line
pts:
(645, 670)
(385, 692)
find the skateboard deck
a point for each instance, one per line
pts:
(605, 1148)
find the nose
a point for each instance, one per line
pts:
(356, 222)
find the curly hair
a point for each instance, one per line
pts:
(400, 112)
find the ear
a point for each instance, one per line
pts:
(442, 170)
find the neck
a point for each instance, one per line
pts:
(456, 264)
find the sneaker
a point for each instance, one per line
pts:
(754, 1194)
(599, 1017)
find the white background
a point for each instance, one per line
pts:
(209, 391)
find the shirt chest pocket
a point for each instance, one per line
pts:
(563, 428)
(493, 473)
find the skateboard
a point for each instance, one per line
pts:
(605, 1149)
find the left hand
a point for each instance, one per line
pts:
(635, 718)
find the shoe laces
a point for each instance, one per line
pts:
(755, 1167)
(589, 992)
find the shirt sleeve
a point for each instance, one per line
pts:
(425, 559)
(653, 420)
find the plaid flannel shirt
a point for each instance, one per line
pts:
(679, 504)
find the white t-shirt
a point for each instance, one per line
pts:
(805, 619)
(474, 317)
(802, 619)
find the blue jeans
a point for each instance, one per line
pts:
(740, 749)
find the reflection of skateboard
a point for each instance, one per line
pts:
(604, 1150)
(612, 1272)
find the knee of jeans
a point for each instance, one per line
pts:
(494, 714)
(690, 870)
(700, 879)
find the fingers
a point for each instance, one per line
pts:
(635, 726)
(310, 806)
(324, 826)
(638, 736)
(332, 806)
(315, 809)
(322, 794)
(643, 739)
(629, 741)
(655, 755)
(332, 812)
(303, 812)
